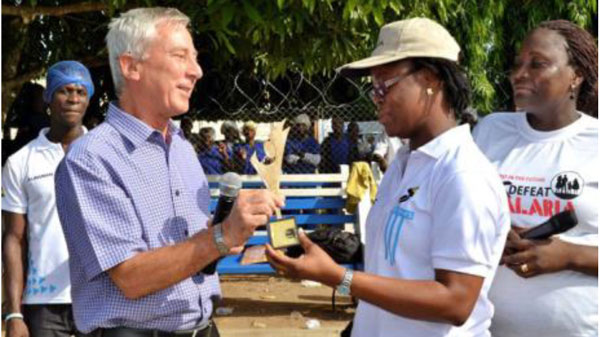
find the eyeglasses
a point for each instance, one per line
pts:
(380, 89)
(377, 94)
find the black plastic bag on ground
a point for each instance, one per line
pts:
(343, 247)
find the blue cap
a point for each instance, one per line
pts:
(67, 72)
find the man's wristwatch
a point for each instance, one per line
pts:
(219, 240)
(344, 287)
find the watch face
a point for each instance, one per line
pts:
(223, 250)
(343, 290)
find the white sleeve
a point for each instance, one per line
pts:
(311, 158)
(481, 133)
(381, 149)
(470, 223)
(291, 159)
(14, 198)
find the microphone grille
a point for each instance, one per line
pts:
(230, 184)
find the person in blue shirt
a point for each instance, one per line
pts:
(335, 149)
(133, 200)
(231, 133)
(187, 124)
(302, 152)
(215, 159)
(244, 151)
(357, 147)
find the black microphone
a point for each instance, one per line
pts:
(557, 224)
(229, 188)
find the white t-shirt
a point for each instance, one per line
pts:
(28, 188)
(441, 206)
(545, 173)
(388, 148)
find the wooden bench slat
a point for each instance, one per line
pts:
(337, 220)
(230, 265)
(299, 184)
(325, 219)
(293, 203)
(305, 192)
(257, 240)
(285, 178)
(314, 203)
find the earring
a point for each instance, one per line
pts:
(429, 91)
(572, 95)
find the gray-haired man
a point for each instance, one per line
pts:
(133, 199)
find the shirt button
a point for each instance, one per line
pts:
(177, 192)
(186, 232)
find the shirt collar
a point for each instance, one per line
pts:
(448, 140)
(134, 129)
(43, 143)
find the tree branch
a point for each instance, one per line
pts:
(28, 13)
(16, 81)
(90, 62)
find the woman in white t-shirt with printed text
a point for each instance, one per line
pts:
(547, 157)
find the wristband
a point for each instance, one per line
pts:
(344, 287)
(13, 315)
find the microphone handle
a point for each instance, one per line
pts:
(223, 209)
(544, 231)
(224, 206)
(539, 233)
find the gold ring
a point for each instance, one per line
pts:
(524, 268)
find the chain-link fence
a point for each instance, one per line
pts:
(332, 122)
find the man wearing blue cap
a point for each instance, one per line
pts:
(38, 290)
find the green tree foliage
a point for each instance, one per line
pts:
(271, 38)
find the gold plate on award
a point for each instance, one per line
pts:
(283, 233)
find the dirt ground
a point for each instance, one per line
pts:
(274, 306)
(265, 306)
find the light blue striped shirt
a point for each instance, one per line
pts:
(122, 190)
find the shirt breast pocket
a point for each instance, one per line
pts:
(416, 238)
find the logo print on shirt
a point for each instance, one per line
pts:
(45, 175)
(394, 223)
(567, 185)
(35, 283)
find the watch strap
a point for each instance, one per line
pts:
(219, 240)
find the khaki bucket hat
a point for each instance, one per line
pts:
(417, 37)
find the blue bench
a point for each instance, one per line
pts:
(305, 194)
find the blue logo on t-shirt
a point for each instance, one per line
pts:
(37, 285)
(392, 230)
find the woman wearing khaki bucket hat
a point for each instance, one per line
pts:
(436, 231)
